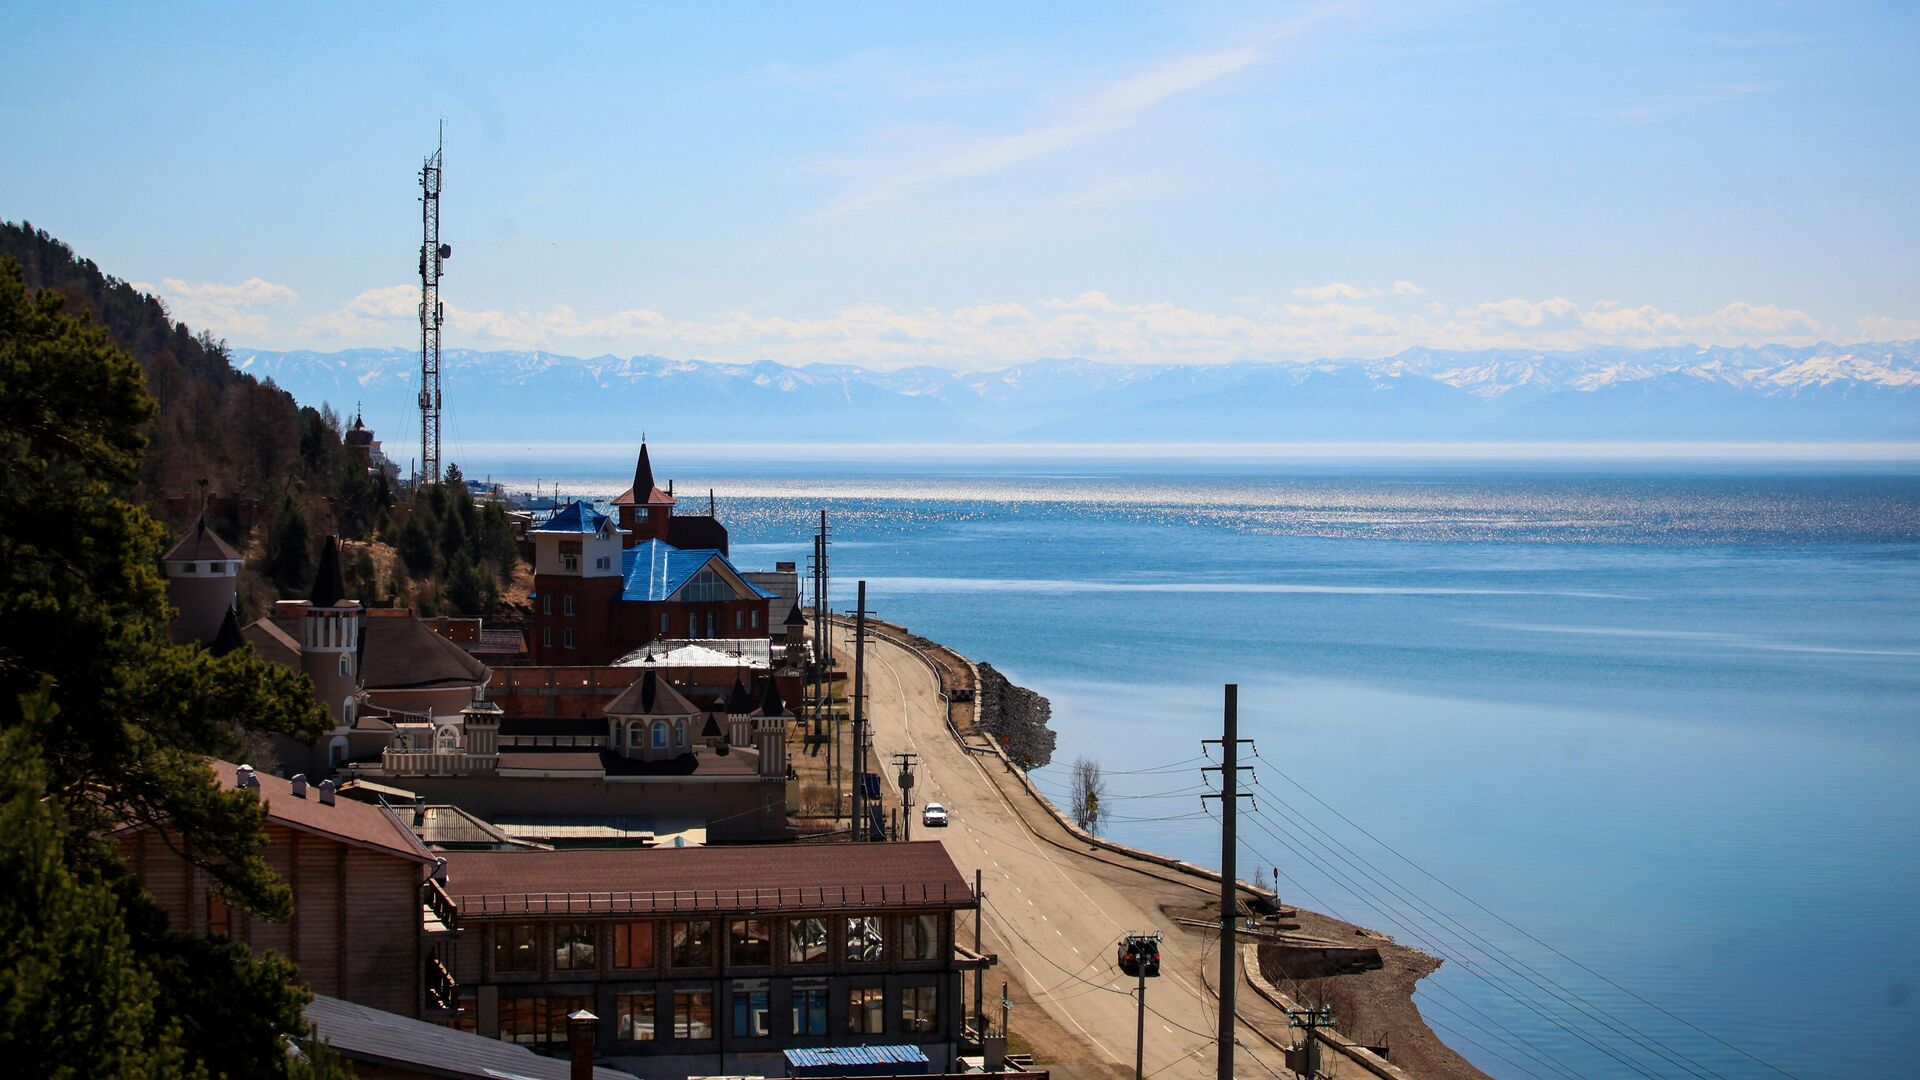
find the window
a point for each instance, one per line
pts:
(189, 568)
(566, 638)
(810, 1011)
(709, 624)
(755, 616)
(343, 665)
(750, 942)
(514, 948)
(633, 945)
(693, 624)
(546, 636)
(574, 947)
(566, 605)
(919, 1009)
(752, 1016)
(863, 939)
(680, 734)
(219, 915)
(664, 628)
(546, 604)
(660, 735)
(866, 1011)
(920, 937)
(693, 1014)
(538, 1021)
(604, 562)
(705, 587)
(806, 941)
(633, 1017)
(739, 619)
(691, 944)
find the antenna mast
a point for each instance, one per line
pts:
(432, 313)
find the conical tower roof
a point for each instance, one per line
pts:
(229, 637)
(739, 702)
(328, 586)
(770, 704)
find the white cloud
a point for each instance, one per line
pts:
(1090, 324)
(1406, 288)
(1885, 328)
(223, 310)
(1335, 290)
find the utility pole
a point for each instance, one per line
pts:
(1006, 1005)
(906, 761)
(1310, 1020)
(1229, 796)
(1140, 956)
(859, 700)
(979, 968)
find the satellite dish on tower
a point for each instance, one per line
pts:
(446, 251)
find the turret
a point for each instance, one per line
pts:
(330, 633)
(482, 722)
(770, 733)
(203, 576)
(739, 715)
(646, 512)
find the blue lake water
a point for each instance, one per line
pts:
(1663, 720)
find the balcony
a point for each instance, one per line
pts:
(435, 762)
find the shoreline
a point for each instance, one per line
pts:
(1378, 1002)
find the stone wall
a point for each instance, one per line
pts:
(1017, 717)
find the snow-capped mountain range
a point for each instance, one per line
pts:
(1864, 392)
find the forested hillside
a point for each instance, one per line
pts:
(268, 463)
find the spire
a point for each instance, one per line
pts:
(771, 705)
(328, 587)
(642, 475)
(739, 703)
(649, 686)
(229, 638)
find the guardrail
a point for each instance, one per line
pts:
(798, 898)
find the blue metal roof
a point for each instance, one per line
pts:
(575, 517)
(856, 1055)
(656, 570)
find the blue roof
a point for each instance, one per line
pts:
(656, 570)
(856, 1055)
(575, 517)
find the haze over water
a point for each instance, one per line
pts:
(1665, 718)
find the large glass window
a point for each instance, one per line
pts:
(920, 937)
(810, 1011)
(693, 1014)
(864, 940)
(575, 946)
(866, 1010)
(806, 941)
(752, 1016)
(919, 1009)
(633, 945)
(706, 587)
(515, 948)
(750, 942)
(691, 944)
(538, 1021)
(633, 1017)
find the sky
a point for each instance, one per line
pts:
(975, 185)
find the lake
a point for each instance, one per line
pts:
(1648, 730)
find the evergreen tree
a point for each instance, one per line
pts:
(106, 723)
(289, 555)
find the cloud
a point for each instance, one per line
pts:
(1335, 290)
(1884, 328)
(222, 310)
(1091, 324)
(1680, 104)
(1406, 288)
(1102, 110)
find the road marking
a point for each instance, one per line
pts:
(1075, 948)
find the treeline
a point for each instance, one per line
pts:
(265, 456)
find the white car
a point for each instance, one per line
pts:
(934, 816)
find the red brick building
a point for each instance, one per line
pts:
(606, 586)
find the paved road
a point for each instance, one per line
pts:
(1054, 907)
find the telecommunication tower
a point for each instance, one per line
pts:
(433, 254)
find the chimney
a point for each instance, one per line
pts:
(299, 783)
(243, 778)
(326, 793)
(580, 1030)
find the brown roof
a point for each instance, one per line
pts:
(398, 652)
(666, 700)
(273, 643)
(350, 822)
(744, 878)
(200, 544)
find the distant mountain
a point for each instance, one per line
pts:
(1769, 393)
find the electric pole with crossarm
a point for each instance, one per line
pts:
(1229, 796)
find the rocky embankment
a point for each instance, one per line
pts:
(1017, 717)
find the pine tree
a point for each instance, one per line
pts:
(289, 555)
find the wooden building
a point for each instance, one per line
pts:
(713, 961)
(362, 927)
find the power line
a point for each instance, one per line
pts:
(1511, 926)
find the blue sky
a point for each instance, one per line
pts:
(972, 185)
